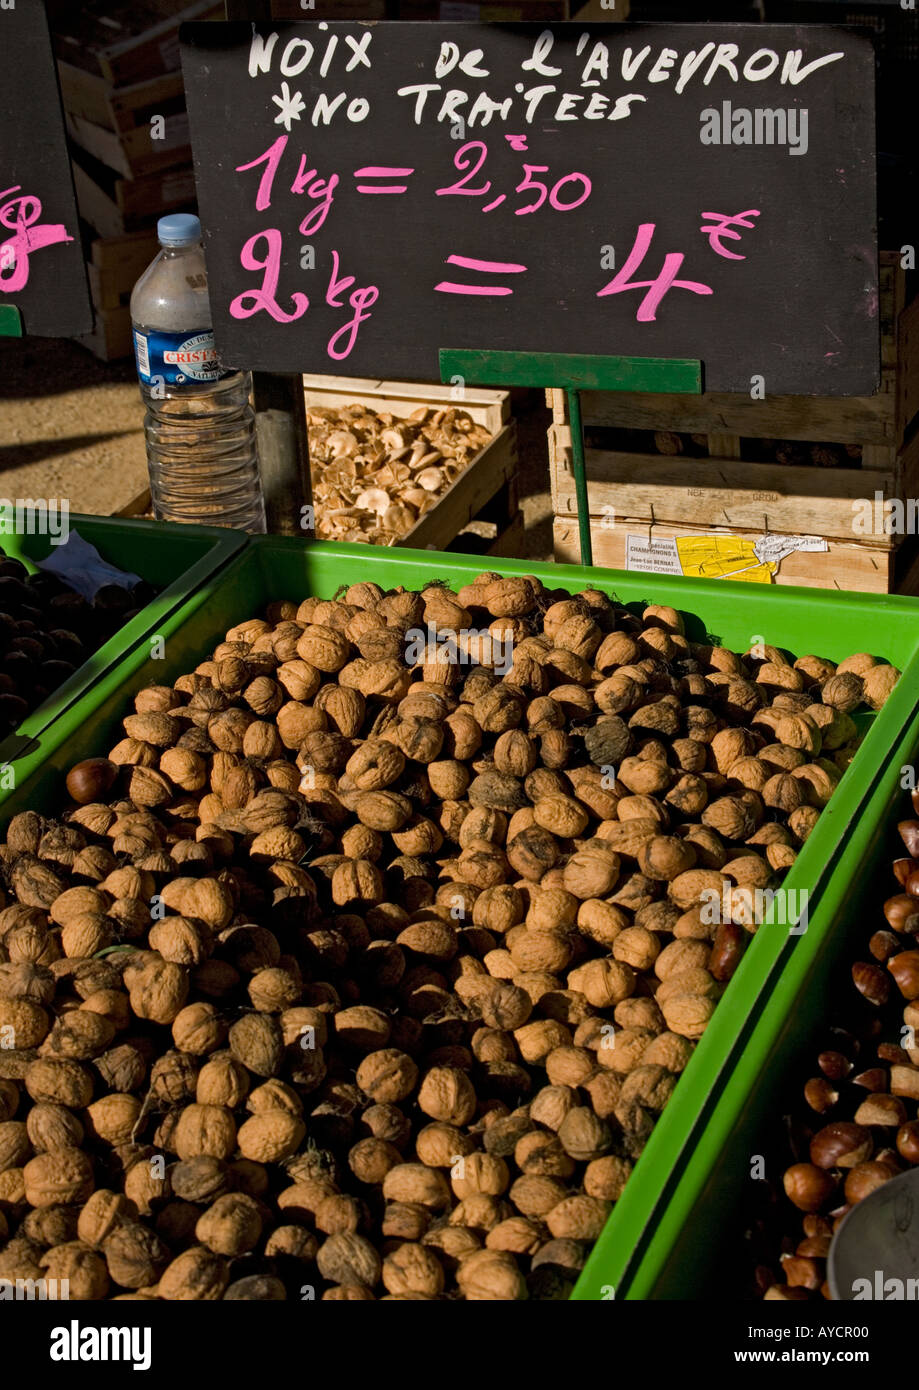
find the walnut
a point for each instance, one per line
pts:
(413, 1269)
(604, 982)
(688, 1014)
(270, 1136)
(387, 1075)
(24, 1022)
(347, 1258)
(205, 1129)
(232, 1225)
(84, 1271)
(877, 685)
(579, 1218)
(59, 1177)
(113, 1118)
(447, 1094)
(491, 1275)
(196, 1274)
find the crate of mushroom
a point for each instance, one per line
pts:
(396, 463)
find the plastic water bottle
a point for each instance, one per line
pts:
(199, 427)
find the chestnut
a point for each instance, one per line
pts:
(841, 1145)
(814, 1247)
(908, 830)
(908, 1141)
(902, 913)
(800, 1272)
(808, 1186)
(820, 1095)
(902, 868)
(883, 945)
(874, 1079)
(91, 780)
(904, 968)
(871, 982)
(834, 1065)
(890, 1052)
(866, 1178)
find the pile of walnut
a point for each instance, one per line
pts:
(371, 979)
(375, 474)
(858, 1132)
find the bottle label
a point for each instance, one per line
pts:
(177, 358)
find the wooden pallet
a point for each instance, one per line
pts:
(723, 490)
(491, 471)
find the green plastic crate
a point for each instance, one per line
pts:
(175, 559)
(645, 1224)
(697, 1249)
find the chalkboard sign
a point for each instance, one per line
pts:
(372, 193)
(42, 273)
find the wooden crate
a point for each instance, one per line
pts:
(114, 206)
(485, 490)
(124, 41)
(723, 490)
(111, 337)
(866, 568)
(134, 153)
(116, 264)
(90, 97)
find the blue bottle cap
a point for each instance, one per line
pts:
(179, 229)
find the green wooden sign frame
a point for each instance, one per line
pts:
(573, 373)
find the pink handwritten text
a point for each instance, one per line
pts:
(657, 288)
(19, 215)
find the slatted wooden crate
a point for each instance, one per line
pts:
(115, 264)
(639, 493)
(486, 490)
(124, 41)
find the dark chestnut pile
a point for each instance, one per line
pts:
(47, 631)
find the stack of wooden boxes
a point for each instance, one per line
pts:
(121, 87)
(695, 484)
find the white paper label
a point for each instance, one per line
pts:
(777, 547)
(652, 556)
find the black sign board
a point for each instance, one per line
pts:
(372, 193)
(42, 273)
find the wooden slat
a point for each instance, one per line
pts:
(724, 446)
(475, 486)
(721, 492)
(843, 419)
(125, 256)
(104, 294)
(488, 408)
(864, 568)
(908, 371)
(508, 541)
